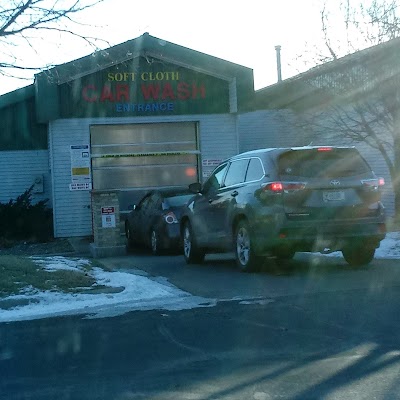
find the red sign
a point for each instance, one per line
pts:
(107, 210)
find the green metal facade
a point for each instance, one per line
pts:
(145, 76)
(19, 128)
(140, 88)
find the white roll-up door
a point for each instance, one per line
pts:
(133, 158)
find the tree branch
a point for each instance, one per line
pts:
(22, 20)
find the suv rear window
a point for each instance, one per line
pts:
(331, 163)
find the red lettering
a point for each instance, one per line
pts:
(183, 91)
(168, 92)
(201, 90)
(122, 92)
(106, 94)
(150, 91)
(87, 94)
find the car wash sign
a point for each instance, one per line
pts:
(156, 89)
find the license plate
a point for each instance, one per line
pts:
(333, 195)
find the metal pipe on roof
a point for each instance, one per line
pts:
(278, 62)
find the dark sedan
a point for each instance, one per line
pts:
(154, 221)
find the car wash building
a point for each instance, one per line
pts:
(93, 134)
(143, 114)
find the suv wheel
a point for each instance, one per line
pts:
(154, 242)
(192, 254)
(246, 260)
(358, 255)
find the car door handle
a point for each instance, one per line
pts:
(234, 193)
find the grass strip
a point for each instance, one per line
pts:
(18, 274)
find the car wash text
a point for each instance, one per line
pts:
(143, 91)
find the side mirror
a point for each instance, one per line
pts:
(195, 187)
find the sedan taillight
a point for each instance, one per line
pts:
(170, 218)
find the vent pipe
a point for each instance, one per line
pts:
(278, 62)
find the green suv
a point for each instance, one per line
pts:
(279, 201)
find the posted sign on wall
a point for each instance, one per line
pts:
(209, 165)
(108, 217)
(80, 168)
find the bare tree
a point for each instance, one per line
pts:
(364, 87)
(26, 22)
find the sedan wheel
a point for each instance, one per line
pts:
(246, 260)
(192, 254)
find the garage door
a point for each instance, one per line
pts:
(135, 157)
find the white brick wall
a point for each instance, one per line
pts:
(218, 136)
(18, 170)
(72, 217)
(268, 128)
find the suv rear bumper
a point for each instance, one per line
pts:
(323, 235)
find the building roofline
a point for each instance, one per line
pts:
(298, 92)
(333, 65)
(17, 96)
(146, 46)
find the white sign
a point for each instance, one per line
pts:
(80, 168)
(209, 165)
(211, 162)
(108, 217)
(80, 186)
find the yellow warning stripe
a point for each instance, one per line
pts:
(177, 153)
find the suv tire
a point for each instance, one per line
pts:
(246, 259)
(358, 255)
(192, 254)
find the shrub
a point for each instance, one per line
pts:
(22, 220)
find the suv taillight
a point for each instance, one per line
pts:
(280, 187)
(373, 184)
(275, 187)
